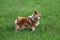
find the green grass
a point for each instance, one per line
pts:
(48, 29)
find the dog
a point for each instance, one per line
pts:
(27, 22)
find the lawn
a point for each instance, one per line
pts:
(48, 29)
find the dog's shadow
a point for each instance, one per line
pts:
(26, 29)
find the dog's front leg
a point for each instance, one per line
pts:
(33, 28)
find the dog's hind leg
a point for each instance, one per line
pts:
(17, 27)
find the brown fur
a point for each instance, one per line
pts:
(24, 21)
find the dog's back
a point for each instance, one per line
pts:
(29, 22)
(23, 21)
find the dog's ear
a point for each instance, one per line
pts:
(35, 12)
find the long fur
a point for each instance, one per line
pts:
(27, 22)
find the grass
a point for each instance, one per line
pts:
(48, 29)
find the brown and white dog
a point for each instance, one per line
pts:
(27, 22)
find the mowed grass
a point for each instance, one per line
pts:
(48, 29)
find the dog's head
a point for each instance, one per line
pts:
(36, 14)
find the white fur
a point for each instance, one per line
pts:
(37, 23)
(31, 16)
(15, 21)
(33, 20)
(16, 26)
(29, 21)
(33, 28)
(38, 17)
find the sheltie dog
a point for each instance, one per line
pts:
(27, 22)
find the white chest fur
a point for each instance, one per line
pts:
(37, 23)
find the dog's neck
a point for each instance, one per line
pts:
(34, 18)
